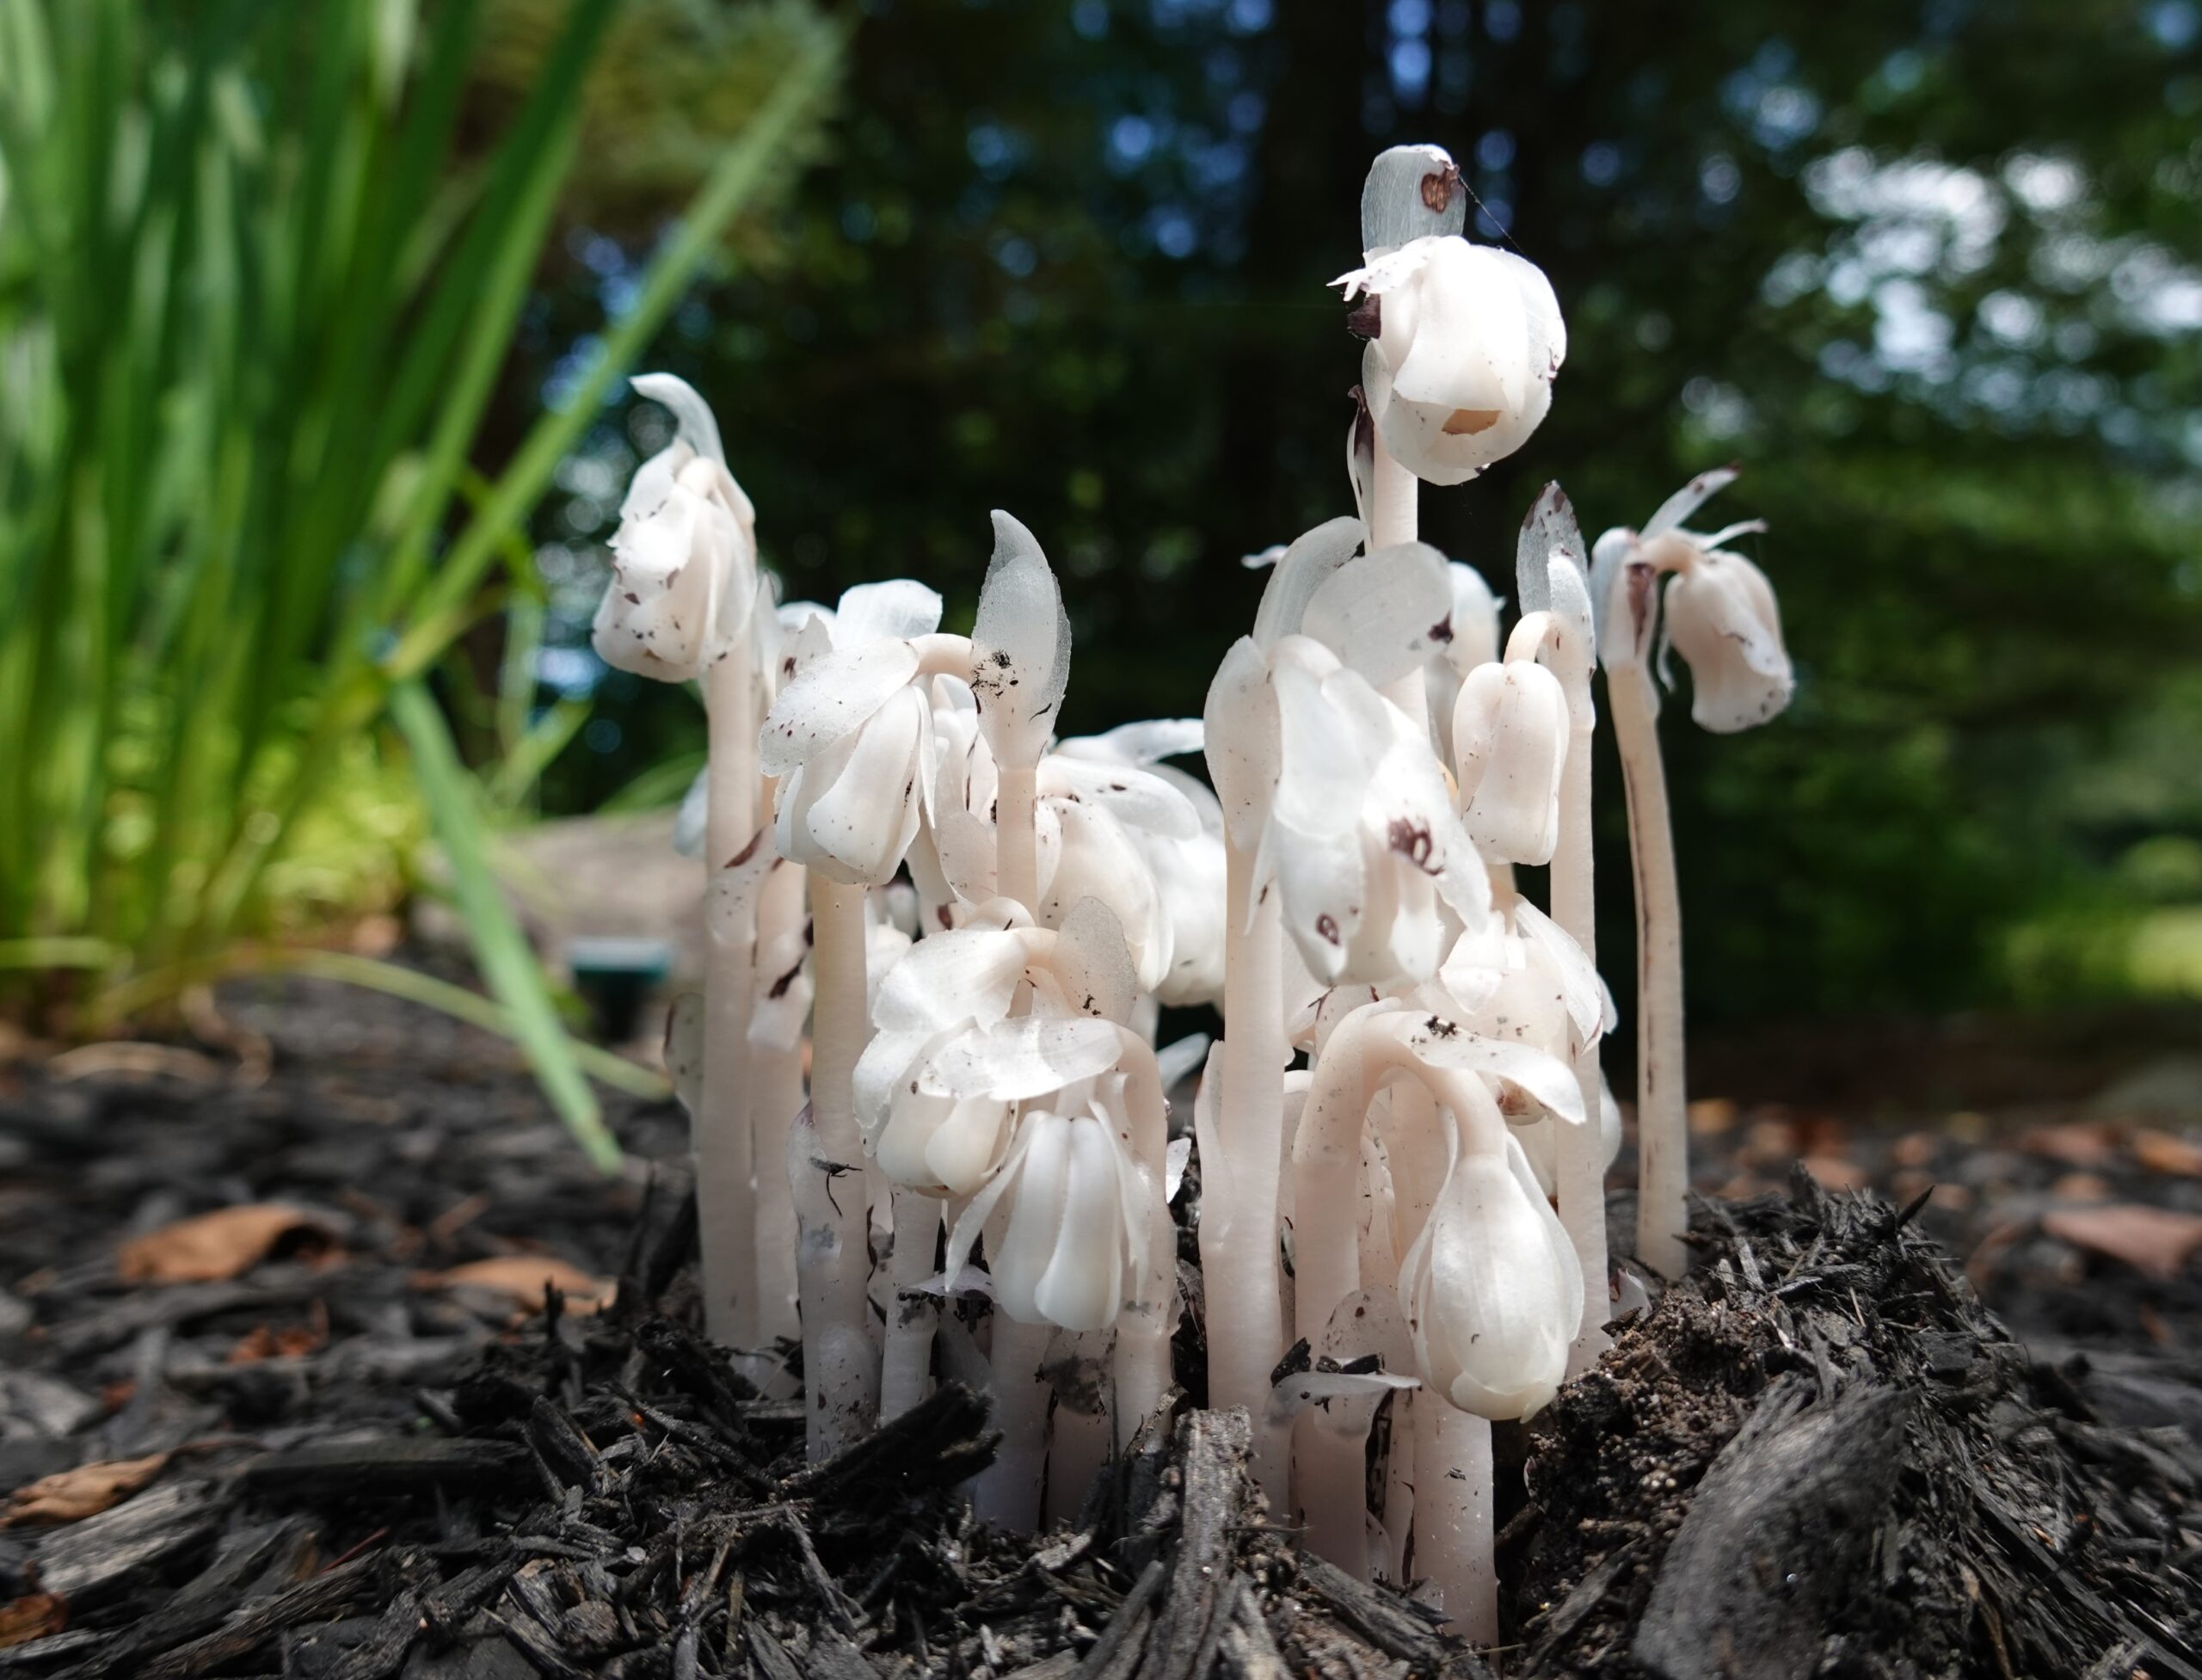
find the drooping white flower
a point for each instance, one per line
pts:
(1509, 747)
(1721, 615)
(1363, 837)
(1492, 1289)
(1066, 1219)
(850, 735)
(1335, 790)
(1468, 341)
(684, 559)
(1148, 841)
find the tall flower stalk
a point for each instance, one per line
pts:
(1720, 612)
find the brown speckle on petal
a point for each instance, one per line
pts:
(1326, 925)
(1439, 185)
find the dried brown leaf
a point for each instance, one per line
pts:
(33, 1617)
(2168, 1153)
(2076, 1143)
(524, 1278)
(70, 1496)
(211, 1248)
(2156, 1240)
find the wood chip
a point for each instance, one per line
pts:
(211, 1248)
(2075, 1144)
(70, 1496)
(33, 1617)
(2154, 1241)
(528, 1279)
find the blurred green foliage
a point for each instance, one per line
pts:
(262, 271)
(1927, 270)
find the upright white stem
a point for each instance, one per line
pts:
(1238, 1190)
(1399, 1479)
(1454, 1547)
(1580, 1148)
(1662, 1118)
(1082, 1434)
(723, 1133)
(1394, 516)
(1017, 853)
(912, 1314)
(1007, 1492)
(838, 1364)
(777, 1072)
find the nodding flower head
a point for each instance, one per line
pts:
(1492, 1288)
(1510, 747)
(1146, 840)
(1066, 1217)
(1020, 647)
(684, 559)
(1464, 340)
(1721, 615)
(850, 735)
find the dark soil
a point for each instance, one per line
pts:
(1821, 1455)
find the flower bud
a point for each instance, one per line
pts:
(1510, 745)
(1492, 1289)
(1721, 616)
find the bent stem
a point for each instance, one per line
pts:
(1238, 1190)
(838, 1358)
(1016, 859)
(1662, 1129)
(722, 1133)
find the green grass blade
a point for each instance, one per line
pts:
(508, 964)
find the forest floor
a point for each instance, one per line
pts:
(278, 1394)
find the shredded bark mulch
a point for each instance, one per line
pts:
(1819, 1456)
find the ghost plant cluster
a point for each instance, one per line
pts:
(1403, 1134)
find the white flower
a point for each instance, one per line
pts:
(684, 560)
(1146, 840)
(1720, 610)
(850, 735)
(1473, 640)
(1362, 836)
(1492, 1291)
(1510, 745)
(1468, 340)
(1066, 1219)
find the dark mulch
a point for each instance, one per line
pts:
(1818, 1456)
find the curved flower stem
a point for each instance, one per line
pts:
(1662, 1128)
(1454, 1551)
(1394, 516)
(1581, 1148)
(1238, 1190)
(1150, 1313)
(906, 1359)
(1365, 1047)
(723, 1131)
(777, 1072)
(838, 1363)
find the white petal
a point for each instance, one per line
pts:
(1589, 1005)
(695, 424)
(1312, 556)
(829, 697)
(1138, 798)
(1475, 620)
(1243, 749)
(1035, 1199)
(1410, 192)
(1332, 727)
(1143, 742)
(1083, 1282)
(1175, 1156)
(864, 818)
(1346, 1399)
(897, 610)
(1384, 612)
(1538, 1074)
(1683, 502)
(1511, 740)
(1020, 646)
(1469, 349)
(1722, 617)
(1022, 1058)
(971, 974)
(1093, 963)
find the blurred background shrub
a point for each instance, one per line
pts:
(310, 332)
